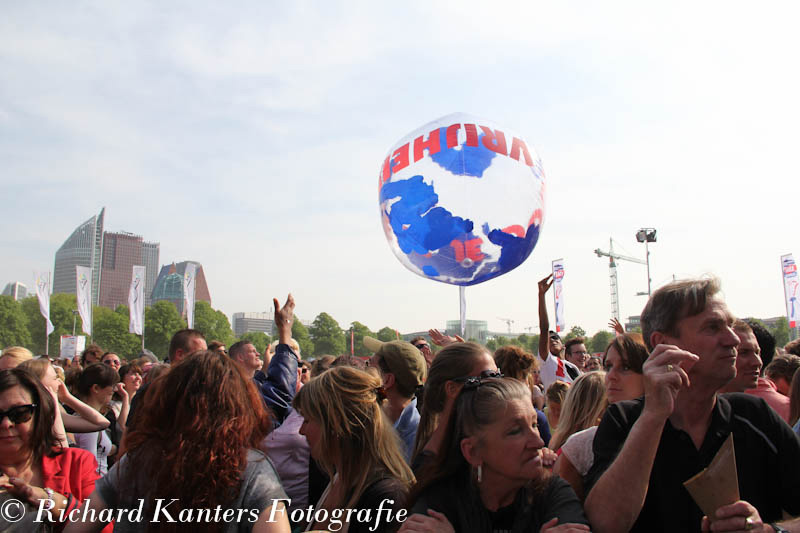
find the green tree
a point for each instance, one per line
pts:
(576, 331)
(328, 337)
(61, 315)
(258, 339)
(110, 332)
(387, 334)
(161, 321)
(13, 323)
(600, 341)
(213, 324)
(491, 345)
(301, 335)
(781, 331)
(359, 332)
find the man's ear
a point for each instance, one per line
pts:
(470, 451)
(388, 380)
(657, 338)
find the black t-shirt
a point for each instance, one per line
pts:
(767, 461)
(502, 520)
(458, 499)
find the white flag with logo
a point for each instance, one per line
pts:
(558, 293)
(84, 294)
(188, 292)
(43, 294)
(136, 300)
(791, 287)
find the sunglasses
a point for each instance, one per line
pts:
(304, 370)
(420, 346)
(19, 414)
(475, 381)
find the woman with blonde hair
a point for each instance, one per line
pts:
(583, 407)
(354, 442)
(13, 356)
(85, 418)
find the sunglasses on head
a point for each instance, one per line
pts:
(19, 414)
(475, 381)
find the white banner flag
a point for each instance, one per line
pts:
(43, 294)
(188, 292)
(558, 294)
(791, 286)
(84, 294)
(136, 300)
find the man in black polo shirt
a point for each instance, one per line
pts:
(645, 449)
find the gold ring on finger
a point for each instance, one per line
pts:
(748, 523)
(669, 368)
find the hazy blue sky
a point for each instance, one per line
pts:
(248, 136)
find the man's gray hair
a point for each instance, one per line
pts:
(675, 301)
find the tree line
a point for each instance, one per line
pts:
(21, 324)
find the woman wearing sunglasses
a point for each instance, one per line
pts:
(453, 365)
(33, 466)
(491, 477)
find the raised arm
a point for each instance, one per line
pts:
(544, 321)
(87, 420)
(122, 418)
(279, 384)
(607, 507)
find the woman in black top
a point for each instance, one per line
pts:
(491, 479)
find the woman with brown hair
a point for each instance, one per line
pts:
(33, 465)
(623, 362)
(196, 442)
(356, 445)
(453, 365)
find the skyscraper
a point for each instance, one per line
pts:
(85, 248)
(17, 290)
(111, 257)
(121, 251)
(169, 285)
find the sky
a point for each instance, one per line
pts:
(248, 136)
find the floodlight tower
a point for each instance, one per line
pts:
(647, 235)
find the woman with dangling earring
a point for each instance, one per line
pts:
(491, 477)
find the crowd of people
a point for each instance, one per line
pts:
(415, 438)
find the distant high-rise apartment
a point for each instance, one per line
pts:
(111, 257)
(17, 290)
(83, 248)
(121, 252)
(169, 285)
(246, 322)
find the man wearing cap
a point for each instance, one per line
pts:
(402, 369)
(553, 367)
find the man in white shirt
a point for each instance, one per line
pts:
(553, 367)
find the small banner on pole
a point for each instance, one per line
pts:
(43, 294)
(791, 285)
(84, 294)
(136, 301)
(188, 292)
(558, 294)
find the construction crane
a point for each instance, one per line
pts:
(612, 268)
(508, 322)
